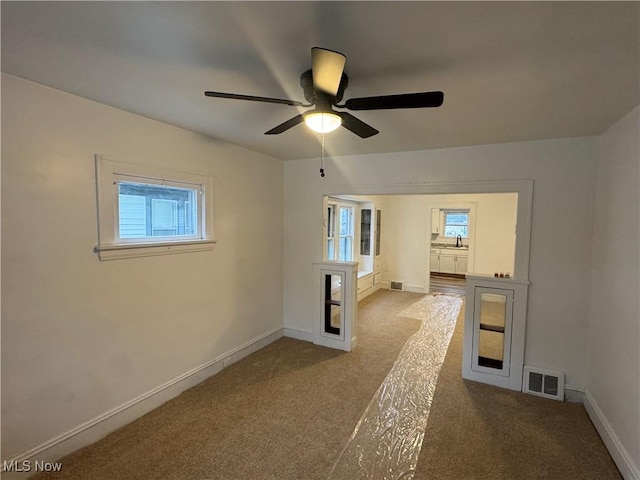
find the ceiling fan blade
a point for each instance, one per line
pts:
(388, 102)
(292, 122)
(327, 67)
(357, 126)
(235, 96)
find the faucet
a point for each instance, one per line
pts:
(459, 241)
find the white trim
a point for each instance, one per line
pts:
(618, 452)
(304, 335)
(573, 393)
(96, 428)
(132, 250)
(415, 288)
(111, 247)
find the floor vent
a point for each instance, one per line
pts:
(544, 383)
(398, 285)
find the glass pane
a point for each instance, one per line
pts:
(346, 225)
(147, 210)
(365, 232)
(493, 311)
(346, 249)
(457, 218)
(455, 230)
(330, 249)
(330, 220)
(378, 222)
(332, 304)
(491, 349)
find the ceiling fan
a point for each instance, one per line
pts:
(323, 88)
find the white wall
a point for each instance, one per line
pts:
(564, 173)
(613, 381)
(81, 337)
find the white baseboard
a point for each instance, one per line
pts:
(415, 289)
(573, 393)
(98, 427)
(618, 452)
(304, 335)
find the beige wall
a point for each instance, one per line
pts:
(406, 235)
(81, 337)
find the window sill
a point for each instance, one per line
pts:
(133, 250)
(364, 273)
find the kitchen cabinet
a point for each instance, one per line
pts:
(447, 263)
(447, 260)
(435, 261)
(462, 262)
(435, 221)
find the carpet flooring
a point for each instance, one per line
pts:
(480, 432)
(287, 411)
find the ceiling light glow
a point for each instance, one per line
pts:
(322, 122)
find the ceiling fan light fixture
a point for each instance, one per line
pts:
(322, 122)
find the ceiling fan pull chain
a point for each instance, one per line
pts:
(322, 158)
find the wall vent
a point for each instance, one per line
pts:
(543, 382)
(396, 285)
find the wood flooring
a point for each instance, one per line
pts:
(449, 284)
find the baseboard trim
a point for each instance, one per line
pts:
(573, 393)
(618, 452)
(98, 427)
(415, 289)
(304, 335)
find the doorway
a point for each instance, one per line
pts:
(425, 242)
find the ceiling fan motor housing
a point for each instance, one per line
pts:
(317, 97)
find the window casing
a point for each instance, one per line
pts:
(146, 211)
(340, 232)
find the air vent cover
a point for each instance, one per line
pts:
(543, 382)
(396, 285)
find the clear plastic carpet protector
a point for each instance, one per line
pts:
(386, 441)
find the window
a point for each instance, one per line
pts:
(340, 232)
(146, 211)
(345, 252)
(456, 222)
(331, 232)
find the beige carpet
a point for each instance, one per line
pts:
(287, 411)
(476, 431)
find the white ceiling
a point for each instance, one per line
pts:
(510, 71)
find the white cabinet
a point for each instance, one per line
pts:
(365, 283)
(462, 262)
(449, 261)
(434, 264)
(494, 330)
(368, 283)
(435, 221)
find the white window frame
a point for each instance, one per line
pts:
(336, 205)
(455, 211)
(110, 172)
